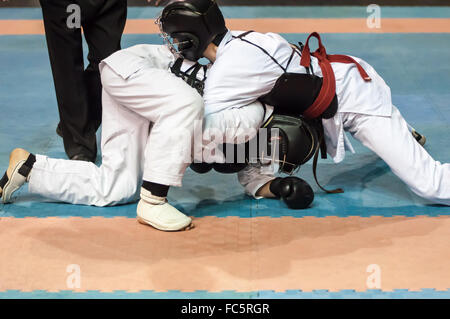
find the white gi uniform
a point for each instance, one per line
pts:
(148, 121)
(242, 73)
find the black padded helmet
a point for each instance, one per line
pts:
(194, 24)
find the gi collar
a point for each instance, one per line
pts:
(227, 37)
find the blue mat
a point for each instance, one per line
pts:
(420, 91)
(173, 294)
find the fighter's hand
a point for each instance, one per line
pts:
(295, 192)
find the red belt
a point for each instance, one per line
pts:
(328, 90)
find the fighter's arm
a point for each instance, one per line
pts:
(259, 182)
(238, 78)
(233, 124)
(231, 105)
(234, 84)
(254, 177)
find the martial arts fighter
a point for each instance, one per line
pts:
(129, 85)
(341, 93)
(149, 116)
(149, 119)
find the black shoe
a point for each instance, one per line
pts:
(82, 157)
(59, 130)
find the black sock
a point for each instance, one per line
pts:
(24, 170)
(156, 189)
(28, 165)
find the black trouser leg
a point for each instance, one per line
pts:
(66, 58)
(78, 91)
(103, 33)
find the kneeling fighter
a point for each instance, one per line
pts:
(335, 92)
(145, 105)
(149, 116)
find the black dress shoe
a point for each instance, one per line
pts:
(59, 130)
(82, 157)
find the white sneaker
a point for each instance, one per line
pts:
(10, 185)
(20, 174)
(158, 213)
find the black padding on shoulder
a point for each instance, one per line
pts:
(4, 180)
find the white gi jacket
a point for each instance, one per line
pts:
(242, 73)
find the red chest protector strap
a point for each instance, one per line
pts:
(328, 90)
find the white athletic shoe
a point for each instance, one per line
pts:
(19, 176)
(419, 137)
(158, 213)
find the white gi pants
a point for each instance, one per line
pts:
(391, 139)
(147, 131)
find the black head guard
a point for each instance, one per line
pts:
(194, 24)
(296, 140)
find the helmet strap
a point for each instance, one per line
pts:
(219, 38)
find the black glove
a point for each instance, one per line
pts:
(295, 192)
(201, 168)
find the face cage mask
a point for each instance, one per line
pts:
(173, 46)
(279, 153)
(273, 160)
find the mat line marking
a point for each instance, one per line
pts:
(350, 25)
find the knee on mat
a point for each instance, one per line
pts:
(123, 190)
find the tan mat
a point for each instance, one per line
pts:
(230, 253)
(278, 25)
